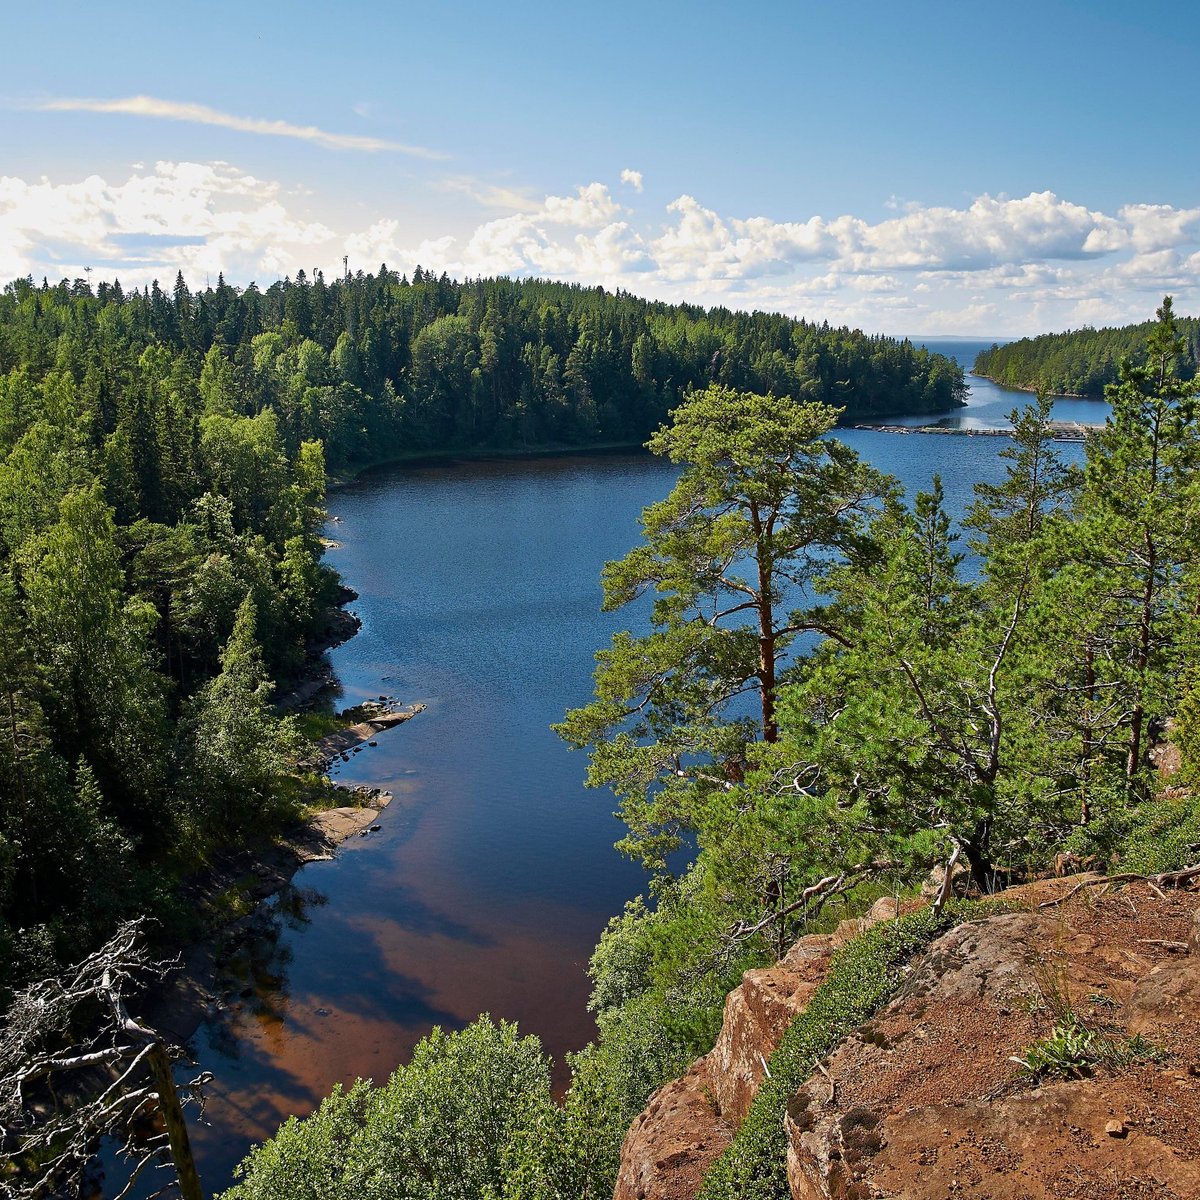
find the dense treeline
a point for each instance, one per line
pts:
(377, 364)
(162, 472)
(841, 688)
(1081, 362)
(159, 569)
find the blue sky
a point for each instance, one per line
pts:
(927, 168)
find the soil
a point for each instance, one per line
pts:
(930, 1098)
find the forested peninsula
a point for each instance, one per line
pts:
(163, 459)
(1080, 362)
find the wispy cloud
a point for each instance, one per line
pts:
(491, 195)
(203, 114)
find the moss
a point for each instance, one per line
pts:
(862, 977)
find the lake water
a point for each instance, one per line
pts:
(493, 874)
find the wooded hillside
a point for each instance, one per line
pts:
(1080, 362)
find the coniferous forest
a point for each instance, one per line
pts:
(1080, 362)
(840, 688)
(162, 471)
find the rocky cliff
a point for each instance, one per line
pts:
(933, 1097)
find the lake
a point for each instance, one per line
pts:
(493, 874)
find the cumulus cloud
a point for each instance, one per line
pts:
(197, 217)
(632, 178)
(202, 114)
(583, 236)
(996, 266)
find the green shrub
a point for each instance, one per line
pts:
(1164, 835)
(463, 1116)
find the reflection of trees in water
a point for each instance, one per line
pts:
(252, 967)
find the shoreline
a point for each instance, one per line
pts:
(418, 458)
(1032, 391)
(1061, 431)
(201, 987)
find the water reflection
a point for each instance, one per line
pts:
(493, 874)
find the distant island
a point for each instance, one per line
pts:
(1080, 362)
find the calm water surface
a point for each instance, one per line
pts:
(494, 872)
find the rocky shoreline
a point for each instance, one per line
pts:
(231, 891)
(1060, 431)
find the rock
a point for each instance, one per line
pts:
(932, 886)
(673, 1142)
(756, 1015)
(375, 828)
(979, 995)
(924, 1099)
(689, 1121)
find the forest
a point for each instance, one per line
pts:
(841, 690)
(1080, 362)
(163, 460)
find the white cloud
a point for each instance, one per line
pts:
(202, 114)
(997, 266)
(584, 236)
(490, 195)
(199, 218)
(632, 178)
(990, 232)
(1160, 227)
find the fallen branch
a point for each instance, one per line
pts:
(1164, 879)
(120, 1074)
(822, 890)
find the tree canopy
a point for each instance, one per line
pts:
(1079, 362)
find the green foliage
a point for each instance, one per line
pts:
(997, 705)
(1070, 1050)
(453, 1124)
(1074, 1049)
(163, 458)
(1080, 362)
(764, 504)
(236, 750)
(1162, 836)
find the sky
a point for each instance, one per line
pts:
(925, 169)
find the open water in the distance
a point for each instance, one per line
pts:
(494, 873)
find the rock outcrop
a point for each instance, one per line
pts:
(930, 1098)
(690, 1121)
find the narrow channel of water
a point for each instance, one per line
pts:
(493, 873)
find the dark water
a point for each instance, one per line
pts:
(494, 871)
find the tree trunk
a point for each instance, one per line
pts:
(172, 1113)
(979, 858)
(1137, 720)
(766, 629)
